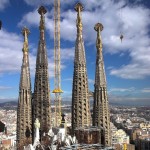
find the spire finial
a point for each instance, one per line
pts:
(42, 11)
(79, 7)
(25, 32)
(98, 27)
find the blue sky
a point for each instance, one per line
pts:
(127, 64)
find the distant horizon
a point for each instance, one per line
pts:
(110, 103)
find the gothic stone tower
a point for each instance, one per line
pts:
(24, 114)
(101, 117)
(80, 100)
(41, 97)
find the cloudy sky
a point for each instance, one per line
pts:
(127, 64)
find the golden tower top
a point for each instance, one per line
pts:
(78, 7)
(42, 11)
(99, 27)
(25, 32)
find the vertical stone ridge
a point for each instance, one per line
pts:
(24, 111)
(80, 101)
(101, 115)
(41, 97)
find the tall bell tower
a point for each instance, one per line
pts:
(101, 116)
(24, 111)
(41, 96)
(80, 101)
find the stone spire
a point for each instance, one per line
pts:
(41, 97)
(80, 101)
(101, 116)
(24, 114)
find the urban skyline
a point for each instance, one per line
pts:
(122, 60)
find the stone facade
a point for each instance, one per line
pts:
(89, 135)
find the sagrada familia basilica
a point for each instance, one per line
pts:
(34, 123)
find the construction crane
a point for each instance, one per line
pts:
(57, 79)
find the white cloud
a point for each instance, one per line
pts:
(67, 53)
(132, 20)
(28, 19)
(47, 2)
(145, 90)
(38, 2)
(131, 89)
(5, 87)
(91, 81)
(119, 94)
(128, 100)
(3, 4)
(132, 71)
(11, 54)
(66, 27)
